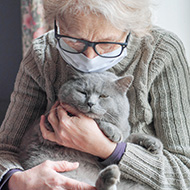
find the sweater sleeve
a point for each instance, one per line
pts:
(5, 180)
(170, 103)
(28, 102)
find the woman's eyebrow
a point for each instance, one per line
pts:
(114, 38)
(111, 38)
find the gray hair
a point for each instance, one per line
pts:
(126, 15)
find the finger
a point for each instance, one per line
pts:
(48, 135)
(69, 183)
(55, 105)
(71, 109)
(62, 114)
(63, 166)
(52, 117)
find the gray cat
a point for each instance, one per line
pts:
(101, 96)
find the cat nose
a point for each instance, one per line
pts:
(90, 104)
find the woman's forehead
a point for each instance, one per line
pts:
(89, 27)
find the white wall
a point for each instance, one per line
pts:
(174, 15)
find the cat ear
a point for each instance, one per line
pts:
(72, 73)
(125, 82)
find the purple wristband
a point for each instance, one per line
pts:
(4, 182)
(116, 156)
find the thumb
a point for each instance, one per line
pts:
(63, 166)
(71, 109)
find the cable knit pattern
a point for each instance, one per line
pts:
(159, 100)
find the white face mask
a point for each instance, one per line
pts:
(84, 64)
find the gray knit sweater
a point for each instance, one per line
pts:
(159, 100)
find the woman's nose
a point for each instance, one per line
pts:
(90, 53)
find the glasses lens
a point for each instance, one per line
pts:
(71, 45)
(108, 49)
(103, 49)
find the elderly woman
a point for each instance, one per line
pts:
(94, 36)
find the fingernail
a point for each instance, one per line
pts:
(62, 104)
(76, 164)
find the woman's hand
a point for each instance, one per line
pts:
(78, 131)
(46, 177)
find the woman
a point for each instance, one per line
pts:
(159, 97)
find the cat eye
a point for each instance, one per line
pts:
(103, 96)
(82, 92)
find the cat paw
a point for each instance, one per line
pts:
(108, 178)
(153, 145)
(115, 136)
(111, 131)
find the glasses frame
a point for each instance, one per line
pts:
(90, 44)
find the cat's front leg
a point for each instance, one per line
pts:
(151, 143)
(108, 178)
(111, 131)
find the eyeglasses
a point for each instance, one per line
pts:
(76, 45)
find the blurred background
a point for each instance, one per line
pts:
(10, 49)
(21, 21)
(174, 15)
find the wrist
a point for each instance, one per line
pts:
(14, 180)
(107, 150)
(6, 178)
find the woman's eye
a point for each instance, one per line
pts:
(103, 96)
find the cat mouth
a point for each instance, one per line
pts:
(91, 112)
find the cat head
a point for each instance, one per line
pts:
(96, 94)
